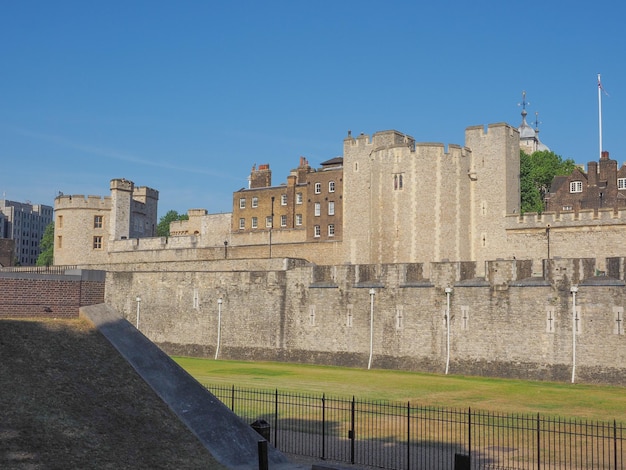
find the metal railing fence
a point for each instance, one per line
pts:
(404, 436)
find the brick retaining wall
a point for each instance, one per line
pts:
(49, 295)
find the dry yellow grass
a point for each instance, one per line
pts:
(70, 401)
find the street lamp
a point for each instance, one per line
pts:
(219, 326)
(574, 291)
(448, 291)
(138, 300)
(372, 294)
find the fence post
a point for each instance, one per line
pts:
(538, 443)
(262, 452)
(408, 435)
(323, 426)
(232, 399)
(351, 434)
(469, 435)
(615, 442)
(276, 420)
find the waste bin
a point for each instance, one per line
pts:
(262, 427)
(461, 462)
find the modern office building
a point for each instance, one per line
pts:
(24, 223)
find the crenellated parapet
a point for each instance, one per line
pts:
(559, 274)
(80, 201)
(532, 220)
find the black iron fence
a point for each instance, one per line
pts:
(405, 436)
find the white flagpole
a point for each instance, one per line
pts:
(600, 112)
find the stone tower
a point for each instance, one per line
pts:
(405, 202)
(495, 190)
(121, 196)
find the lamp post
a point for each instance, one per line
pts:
(372, 294)
(448, 291)
(219, 326)
(138, 300)
(574, 291)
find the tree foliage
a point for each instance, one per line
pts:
(163, 228)
(536, 174)
(46, 245)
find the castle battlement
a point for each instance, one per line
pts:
(144, 192)
(80, 201)
(532, 220)
(480, 130)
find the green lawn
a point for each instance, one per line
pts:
(509, 396)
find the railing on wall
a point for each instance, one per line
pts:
(37, 269)
(405, 436)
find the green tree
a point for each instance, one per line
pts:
(163, 228)
(537, 171)
(46, 245)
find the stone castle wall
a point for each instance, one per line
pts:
(506, 324)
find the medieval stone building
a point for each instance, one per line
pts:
(85, 226)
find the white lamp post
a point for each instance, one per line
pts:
(448, 291)
(219, 326)
(574, 290)
(138, 300)
(372, 293)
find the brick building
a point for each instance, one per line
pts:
(603, 186)
(307, 208)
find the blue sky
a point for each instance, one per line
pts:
(185, 96)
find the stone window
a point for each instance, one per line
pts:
(331, 230)
(59, 241)
(464, 317)
(242, 223)
(618, 313)
(399, 317)
(576, 187)
(317, 232)
(318, 188)
(242, 203)
(331, 186)
(568, 208)
(578, 324)
(331, 207)
(283, 199)
(398, 182)
(255, 201)
(621, 183)
(550, 320)
(283, 220)
(255, 222)
(196, 299)
(299, 198)
(318, 209)
(60, 221)
(312, 315)
(349, 316)
(97, 221)
(97, 242)
(268, 221)
(298, 219)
